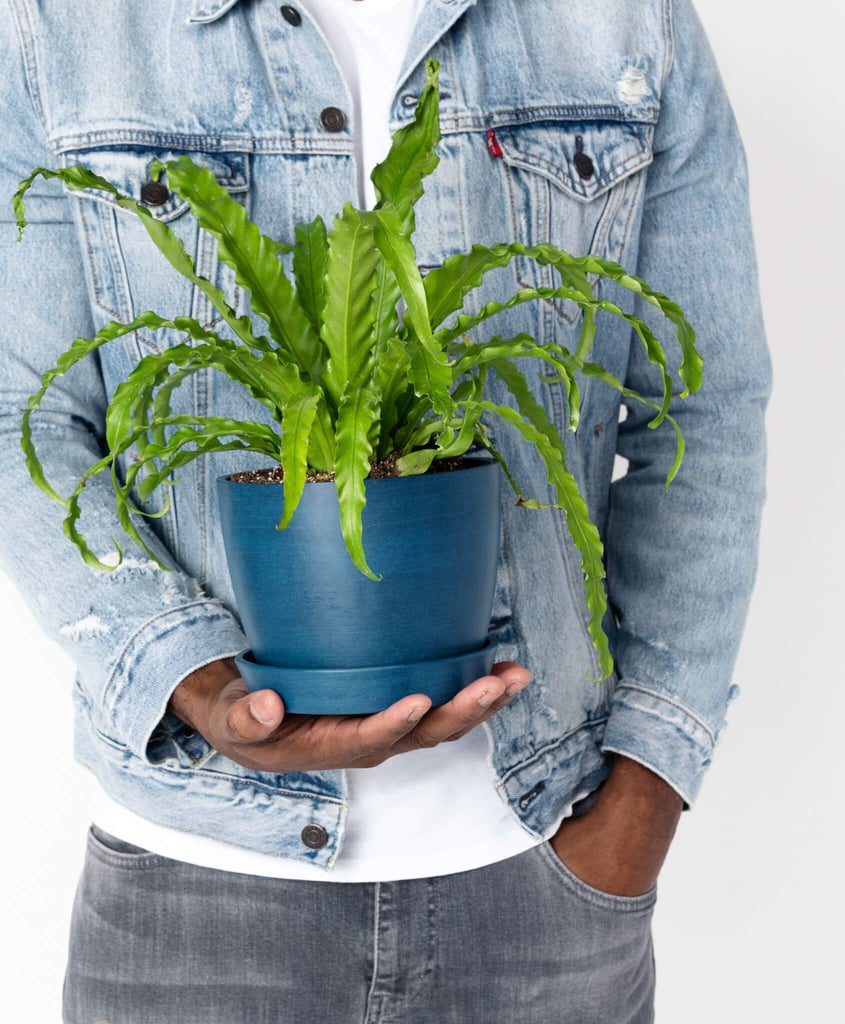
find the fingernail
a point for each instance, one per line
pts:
(260, 716)
(516, 688)
(487, 698)
(415, 715)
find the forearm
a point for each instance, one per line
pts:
(650, 805)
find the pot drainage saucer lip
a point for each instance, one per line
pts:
(363, 691)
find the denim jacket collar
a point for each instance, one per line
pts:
(436, 19)
(209, 10)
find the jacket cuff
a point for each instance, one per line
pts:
(661, 734)
(156, 658)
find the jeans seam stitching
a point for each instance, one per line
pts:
(592, 896)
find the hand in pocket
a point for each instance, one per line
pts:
(619, 845)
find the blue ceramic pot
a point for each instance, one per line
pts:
(331, 641)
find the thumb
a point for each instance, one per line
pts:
(252, 717)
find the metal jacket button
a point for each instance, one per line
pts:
(584, 165)
(153, 193)
(332, 119)
(291, 15)
(315, 837)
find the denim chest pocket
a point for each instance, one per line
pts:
(127, 274)
(575, 184)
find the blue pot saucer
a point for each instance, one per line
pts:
(362, 691)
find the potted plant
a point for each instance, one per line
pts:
(367, 398)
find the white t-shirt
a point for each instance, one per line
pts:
(369, 39)
(424, 813)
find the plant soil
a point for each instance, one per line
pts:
(379, 470)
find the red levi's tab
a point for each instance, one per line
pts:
(493, 143)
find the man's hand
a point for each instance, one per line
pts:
(253, 729)
(619, 845)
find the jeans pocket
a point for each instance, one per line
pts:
(109, 849)
(596, 897)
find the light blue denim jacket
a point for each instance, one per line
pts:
(631, 84)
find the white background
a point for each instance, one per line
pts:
(751, 911)
(752, 901)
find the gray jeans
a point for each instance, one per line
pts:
(156, 941)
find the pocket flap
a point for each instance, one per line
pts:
(130, 171)
(584, 158)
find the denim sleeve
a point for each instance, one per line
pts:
(681, 562)
(136, 632)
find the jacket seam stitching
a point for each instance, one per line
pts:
(634, 204)
(516, 116)
(300, 142)
(27, 41)
(215, 610)
(663, 698)
(214, 776)
(669, 38)
(297, 143)
(549, 748)
(646, 762)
